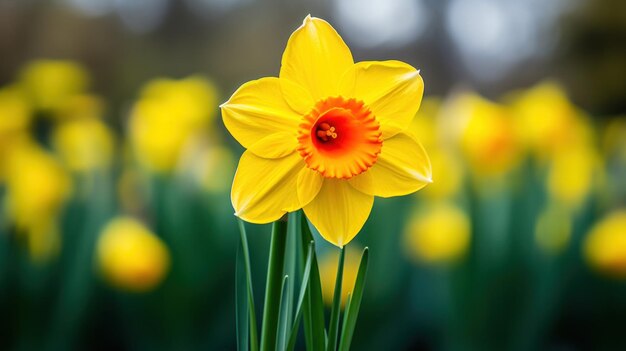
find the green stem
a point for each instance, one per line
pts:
(333, 328)
(254, 341)
(274, 285)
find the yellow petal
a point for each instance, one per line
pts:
(315, 58)
(309, 185)
(265, 189)
(339, 211)
(256, 110)
(297, 97)
(275, 145)
(391, 89)
(402, 167)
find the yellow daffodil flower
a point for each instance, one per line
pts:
(15, 116)
(328, 273)
(84, 144)
(168, 116)
(488, 137)
(571, 175)
(326, 136)
(49, 83)
(440, 234)
(547, 121)
(130, 256)
(605, 245)
(37, 189)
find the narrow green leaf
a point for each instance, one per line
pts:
(241, 297)
(313, 309)
(254, 339)
(273, 286)
(303, 289)
(354, 304)
(333, 327)
(283, 315)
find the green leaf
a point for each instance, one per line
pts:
(273, 285)
(241, 297)
(283, 315)
(354, 303)
(254, 339)
(313, 308)
(303, 289)
(335, 312)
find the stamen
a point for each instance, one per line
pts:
(324, 130)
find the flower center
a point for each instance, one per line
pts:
(339, 138)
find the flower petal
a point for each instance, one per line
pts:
(315, 57)
(256, 110)
(265, 189)
(309, 185)
(298, 98)
(402, 167)
(275, 145)
(391, 89)
(339, 211)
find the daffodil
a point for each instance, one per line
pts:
(547, 121)
(49, 83)
(439, 234)
(605, 245)
(572, 173)
(130, 256)
(488, 136)
(169, 115)
(327, 135)
(37, 189)
(15, 116)
(84, 144)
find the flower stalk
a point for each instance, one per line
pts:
(274, 283)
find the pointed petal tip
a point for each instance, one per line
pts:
(224, 104)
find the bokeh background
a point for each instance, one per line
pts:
(116, 229)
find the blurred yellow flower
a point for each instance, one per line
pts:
(547, 122)
(15, 112)
(605, 245)
(328, 273)
(49, 83)
(424, 125)
(553, 229)
(167, 117)
(447, 169)
(488, 140)
(448, 174)
(192, 100)
(571, 175)
(15, 116)
(84, 144)
(130, 256)
(326, 136)
(439, 234)
(37, 189)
